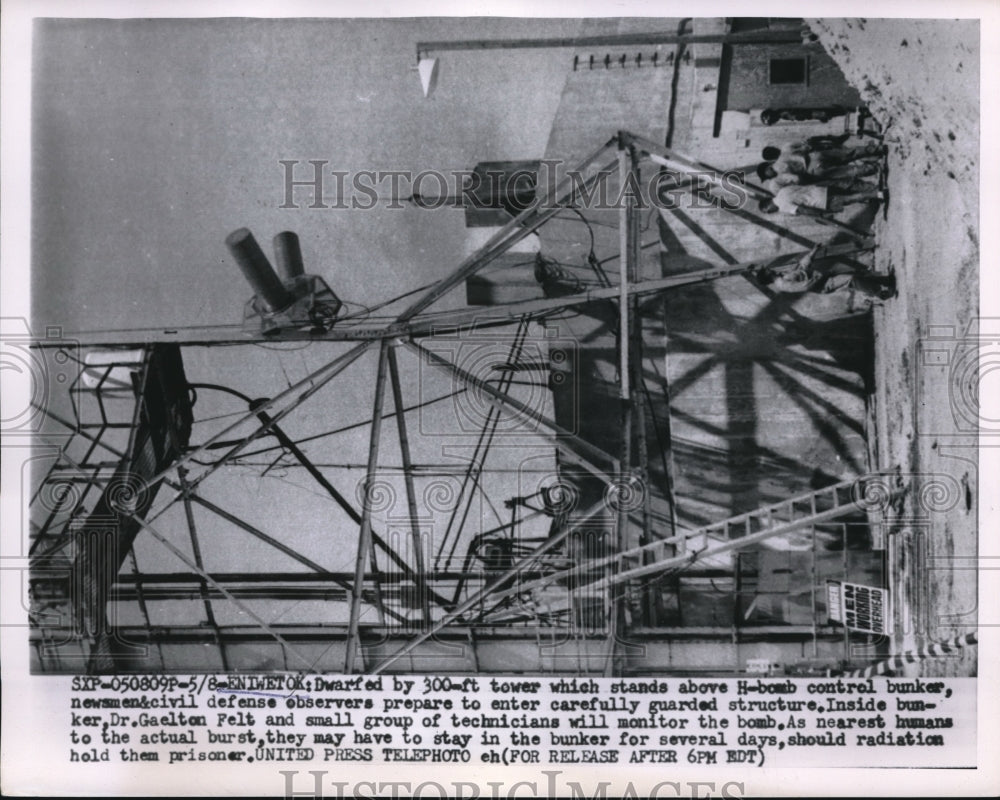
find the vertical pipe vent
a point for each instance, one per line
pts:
(288, 256)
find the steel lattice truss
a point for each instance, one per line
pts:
(568, 582)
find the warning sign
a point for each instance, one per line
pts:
(857, 607)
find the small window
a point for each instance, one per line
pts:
(789, 70)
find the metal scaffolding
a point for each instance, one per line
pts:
(559, 586)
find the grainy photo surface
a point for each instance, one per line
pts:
(519, 394)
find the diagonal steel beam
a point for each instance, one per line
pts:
(562, 436)
(488, 252)
(479, 455)
(277, 544)
(288, 647)
(677, 162)
(264, 537)
(365, 537)
(295, 395)
(342, 501)
(491, 589)
(199, 562)
(497, 243)
(411, 493)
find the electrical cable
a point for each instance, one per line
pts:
(313, 437)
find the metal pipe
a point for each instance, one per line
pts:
(626, 274)
(411, 492)
(342, 577)
(365, 537)
(199, 562)
(511, 634)
(615, 40)
(623, 269)
(288, 255)
(258, 270)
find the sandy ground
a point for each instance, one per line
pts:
(921, 82)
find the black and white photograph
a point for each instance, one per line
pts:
(592, 403)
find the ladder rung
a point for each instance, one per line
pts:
(758, 520)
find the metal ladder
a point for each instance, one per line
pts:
(733, 533)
